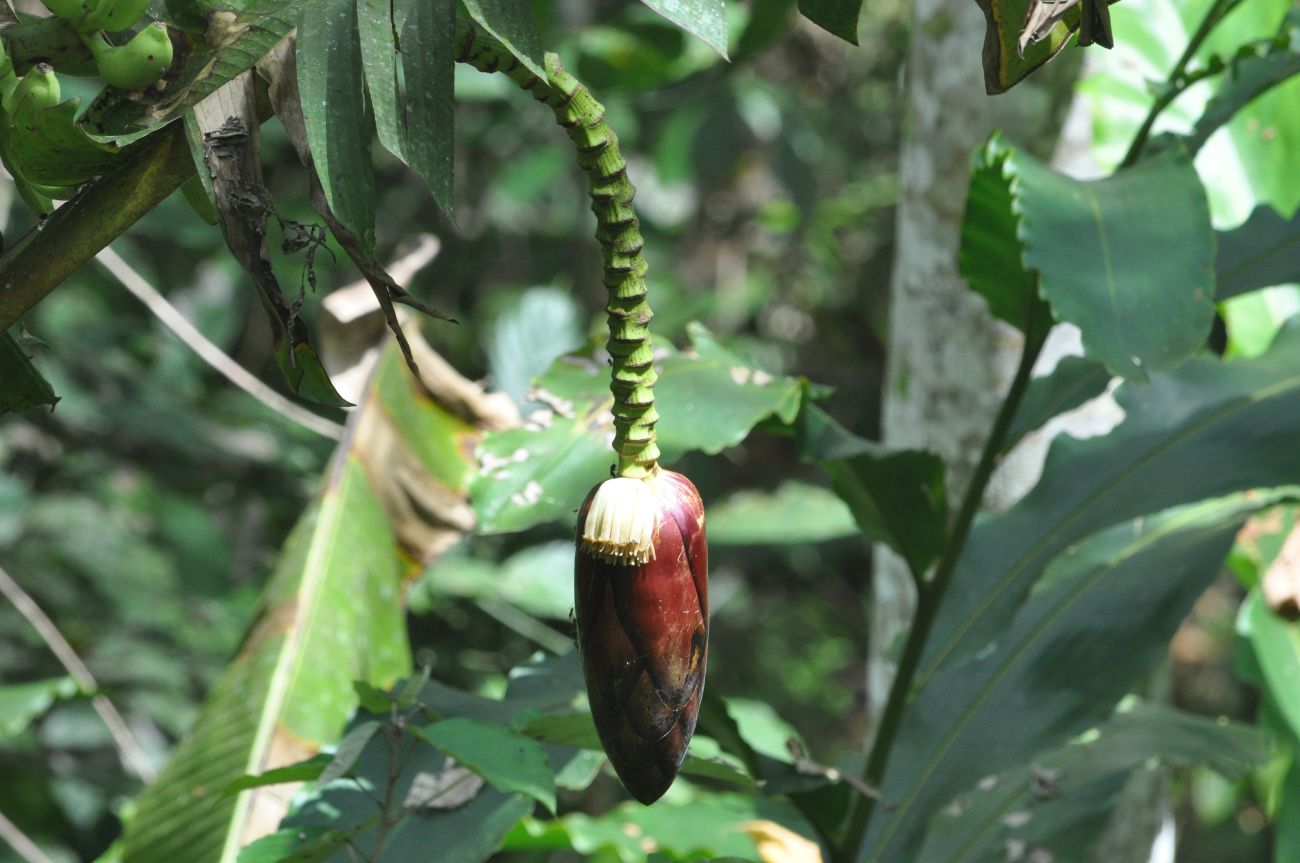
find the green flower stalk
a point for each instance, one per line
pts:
(641, 568)
(618, 231)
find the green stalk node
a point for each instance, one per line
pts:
(618, 231)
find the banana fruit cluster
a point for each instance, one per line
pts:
(137, 63)
(48, 153)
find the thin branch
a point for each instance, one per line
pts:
(129, 749)
(209, 352)
(1178, 81)
(19, 841)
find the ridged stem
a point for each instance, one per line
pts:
(633, 376)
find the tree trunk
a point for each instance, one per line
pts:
(949, 361)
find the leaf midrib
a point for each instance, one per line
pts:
(1086, 505)
(309, 593)
(1068, 600)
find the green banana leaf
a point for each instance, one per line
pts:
(1101, 615)
(331, 614)
(1060, 804)
(1129, 259)
(340, 121)
(708, 399)
(1074, 381)
(706, 19)
(1259, 253)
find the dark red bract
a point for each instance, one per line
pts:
(644, 633)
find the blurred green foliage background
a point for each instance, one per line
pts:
(146, 510)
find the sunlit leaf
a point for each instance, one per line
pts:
(331, 614)
(538, 580)
(507, 760)
(707, 827)
(1073, 382)
(1252, 159)
(1254, 319)
(1129, 259)
(794, 513)
(23, 703)
(708, 399)
(706, 19)
(1250, 75)
(1275, 649)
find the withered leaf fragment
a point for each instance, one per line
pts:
(642, 604)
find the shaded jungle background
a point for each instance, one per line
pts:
(146, 510)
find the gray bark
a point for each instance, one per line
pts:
(949, 362)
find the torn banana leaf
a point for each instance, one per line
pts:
(393, 497)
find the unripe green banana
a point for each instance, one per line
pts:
(39, 86)
(36, 91)
(8, 79)
(68, 10)
(113, 16)
(40, 204)
(138, 63)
